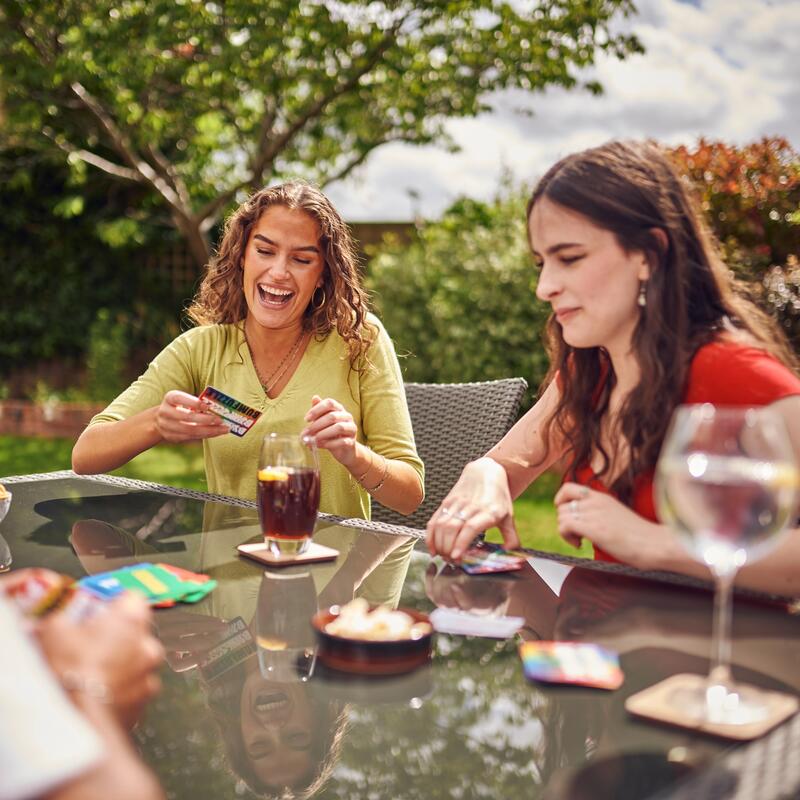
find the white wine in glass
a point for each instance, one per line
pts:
(726, 481)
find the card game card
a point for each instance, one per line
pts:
(237, 416)
(575, 663)
(483, 559)
(162, 585)
(464, 623)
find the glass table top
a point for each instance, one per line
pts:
(240, 716)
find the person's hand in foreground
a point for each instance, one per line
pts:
(182, 417)
(480, 500)
(113, 655)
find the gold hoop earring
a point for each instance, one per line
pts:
(317, 306)
(642, 298)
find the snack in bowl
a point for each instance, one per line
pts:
(373, 641)
(4, 492)
(357, 621)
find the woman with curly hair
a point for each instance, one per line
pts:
(646, 317)
(283, 326)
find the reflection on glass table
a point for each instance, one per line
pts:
(230, 724)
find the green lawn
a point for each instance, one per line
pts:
(182, 465)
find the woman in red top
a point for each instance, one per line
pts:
(645, 317)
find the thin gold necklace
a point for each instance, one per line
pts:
(269, 383)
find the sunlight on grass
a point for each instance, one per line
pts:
(182, 465)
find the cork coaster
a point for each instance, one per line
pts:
(658, 703)
(259, 551)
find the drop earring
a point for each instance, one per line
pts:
(642, 298)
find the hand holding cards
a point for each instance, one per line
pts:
(237, 416)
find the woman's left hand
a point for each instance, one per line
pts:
(606, 522)
(333, 427)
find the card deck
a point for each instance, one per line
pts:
(161, 584)
(482, 559)
(576, 663)
(238, 416)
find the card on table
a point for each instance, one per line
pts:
(162, 585)
(464, 623)
(238, 416)
(483, 559)
(575, 663)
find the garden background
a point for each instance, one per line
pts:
(118, 164)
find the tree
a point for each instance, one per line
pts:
(751, 195)
(199, 101)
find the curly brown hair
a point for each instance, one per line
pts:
(220, 298)
(633, 190)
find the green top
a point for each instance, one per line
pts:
(217, 355)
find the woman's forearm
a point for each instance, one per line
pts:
(776, 573)
(393, 483)
(108, 445)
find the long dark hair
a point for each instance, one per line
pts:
(220, 298)
(631, 189)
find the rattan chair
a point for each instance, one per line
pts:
(453, 423)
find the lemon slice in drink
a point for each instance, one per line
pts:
(273, 474)
(784, 476)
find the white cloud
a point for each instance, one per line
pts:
(724, 69)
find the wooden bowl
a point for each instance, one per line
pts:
(367, 656)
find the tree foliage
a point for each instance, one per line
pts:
(59, 268)
(751, 195)
(197, 101)
(460, 300)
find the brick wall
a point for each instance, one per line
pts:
(48, 420)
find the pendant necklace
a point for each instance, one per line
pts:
(268, 384)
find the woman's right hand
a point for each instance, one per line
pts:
(182, 417)
(480, 500)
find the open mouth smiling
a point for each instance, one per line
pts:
(273, 296)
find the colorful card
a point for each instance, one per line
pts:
(38, 595)
(576, 663)
(484, 559)
(162, 585)
(236, 415)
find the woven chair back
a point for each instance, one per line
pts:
(454, 423)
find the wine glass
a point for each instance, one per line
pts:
(727, 481)
(288, 492)
(5, 550)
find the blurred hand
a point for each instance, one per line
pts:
(114, 648)
(480, 500)
(11, 580)
(182, 417)
(333, 427)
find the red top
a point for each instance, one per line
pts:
(723, 373)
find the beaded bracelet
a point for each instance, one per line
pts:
(383, 479)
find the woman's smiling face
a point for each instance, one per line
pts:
(283, 265)
(590, 281)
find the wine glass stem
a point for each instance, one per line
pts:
(720, 674)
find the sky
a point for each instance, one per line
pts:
(723, 69)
